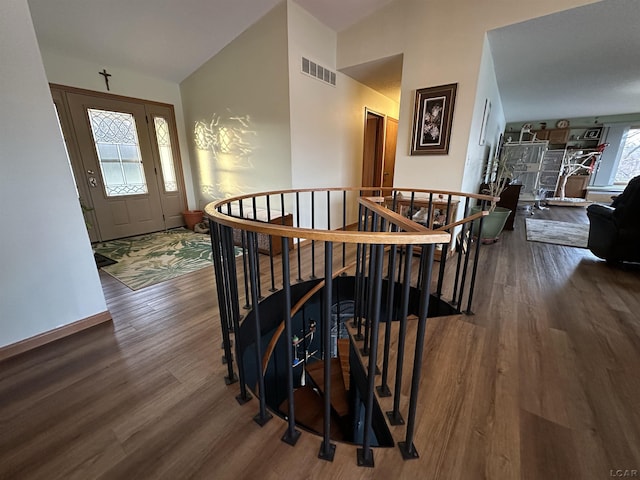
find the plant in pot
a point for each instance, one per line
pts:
(497, 178)
(192, 217)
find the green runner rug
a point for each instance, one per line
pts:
(154, 258)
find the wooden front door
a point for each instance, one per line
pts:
(124, 159)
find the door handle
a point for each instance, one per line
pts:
(93, 182)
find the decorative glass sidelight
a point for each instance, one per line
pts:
(166, 154)
(116, 140)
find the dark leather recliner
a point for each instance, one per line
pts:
(614, 231)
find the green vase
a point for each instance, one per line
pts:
(492, 224)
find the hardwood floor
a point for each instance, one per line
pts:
(542, 382)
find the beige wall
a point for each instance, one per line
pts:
(442, 42)
(49, 278)
(327, 122)
(239, 102)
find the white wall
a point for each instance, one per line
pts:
(478, 155)
(442, 43)
(327, 122)
(82, 73)
(49, 278)
(248, 79)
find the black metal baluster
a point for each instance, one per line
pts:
(214, 233)
(365, 454)
(227, 235)
(327, 449)
(243, 237)
(291, 435)
(466, 260)
(298, 225)
(328, 209)
(395, 417)
(445, 249)
(474, 272)
(364, 351)
(383, 389)
(313, 242)
(466, 227)
(407, 448)
(255, 219)
(273, 277)
(344, 227)
(360, 265)
(263, 416)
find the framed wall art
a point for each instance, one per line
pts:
(485, 121)
(432, 119)
(593, 133)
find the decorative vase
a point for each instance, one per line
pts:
(191, 217)
(492, 224)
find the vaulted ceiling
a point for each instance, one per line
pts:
(579, 62)
(169, 39)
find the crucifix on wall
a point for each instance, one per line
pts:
(106, 77)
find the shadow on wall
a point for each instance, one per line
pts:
(224, 149)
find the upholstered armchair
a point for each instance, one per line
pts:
(614, 231)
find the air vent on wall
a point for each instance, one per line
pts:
(318, 71)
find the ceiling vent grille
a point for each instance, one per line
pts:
(318, 71)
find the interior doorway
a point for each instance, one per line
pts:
(124, 157)
(379, 151)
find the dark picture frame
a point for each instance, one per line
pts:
(432, 120)
(593, 133)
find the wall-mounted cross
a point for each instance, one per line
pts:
(106, 77)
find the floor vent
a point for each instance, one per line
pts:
(318, 71)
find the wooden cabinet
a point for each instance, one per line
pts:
(542, 134)
(573, 137)
(508, 199)
(576, 186)
(435, 217)
(558, 136)
(555, 136)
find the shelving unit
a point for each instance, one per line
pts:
(585, 136)
(562, 142)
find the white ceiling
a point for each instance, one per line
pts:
(383, 75)
(340, 14)
(581, 62)
(577, 63)
(168, 39)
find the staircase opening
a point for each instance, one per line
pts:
(349, 376)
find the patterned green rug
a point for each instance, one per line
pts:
(150, 259)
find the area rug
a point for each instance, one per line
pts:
(102, 261)
(154, 258)
(559, 233)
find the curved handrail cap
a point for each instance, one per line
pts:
(214, 211)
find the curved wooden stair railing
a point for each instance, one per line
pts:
(391, 216)
(399, 231)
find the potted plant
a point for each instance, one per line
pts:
(497, 178)
(192, 217)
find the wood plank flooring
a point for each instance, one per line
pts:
(542, 382)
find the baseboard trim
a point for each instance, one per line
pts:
(27, 344)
